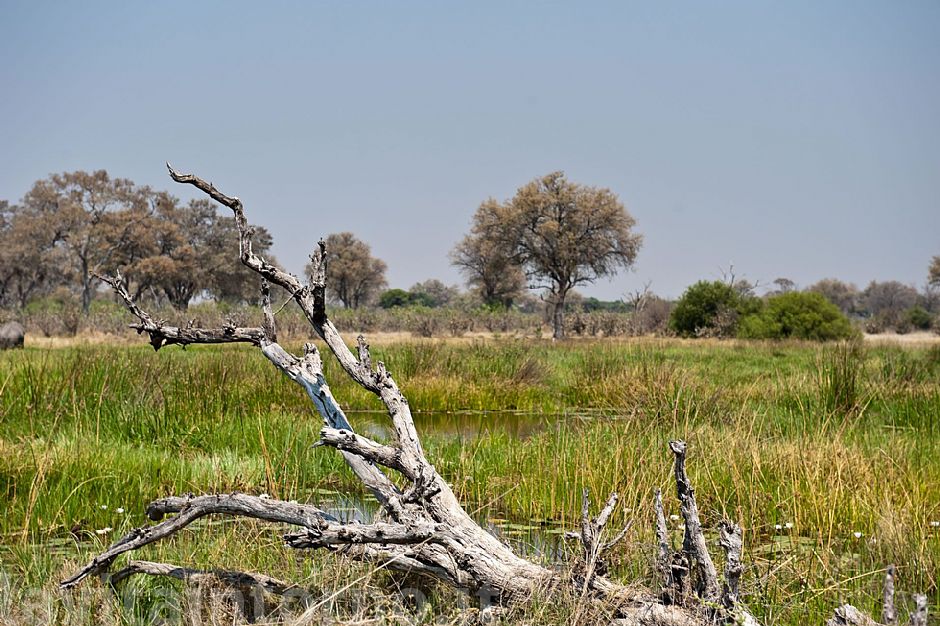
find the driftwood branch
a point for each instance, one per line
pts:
(162, 334)
(422, 526)
(226, 577)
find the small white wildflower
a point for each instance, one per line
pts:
(857, 534)
(778, 527)
(674, 518)
(265, 496)
(119, 510)
(788, 525)
(935, 524)
(103, 531)
(292, 502)
(104, 507)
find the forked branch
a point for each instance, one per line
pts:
(162, 334)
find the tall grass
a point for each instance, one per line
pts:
(824, 442)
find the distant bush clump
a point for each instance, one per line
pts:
(797, 315)
(710, 309)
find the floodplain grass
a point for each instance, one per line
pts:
(827, 455)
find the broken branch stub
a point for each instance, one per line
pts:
(694, 546)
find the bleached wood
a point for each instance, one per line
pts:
(693, 542)
(730, 539)
(226, 577)
(889, 614)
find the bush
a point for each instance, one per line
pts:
(710, 309)
(918, 318)
(798, 315)
(394, 298)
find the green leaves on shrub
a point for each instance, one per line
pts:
(797, 315)
(710, 309)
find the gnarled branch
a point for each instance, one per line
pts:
(162, 334)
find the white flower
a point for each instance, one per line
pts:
(103, 531)
(119, 510)
(788, 525)
(292, 502)
(935, 524)
(104, 507)
(265, 496)
(857, 534)
(674, 518)
(778, 527)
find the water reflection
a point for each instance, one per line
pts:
(538, 539)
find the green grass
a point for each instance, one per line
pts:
(834, 440)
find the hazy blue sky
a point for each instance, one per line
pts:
(797, 139)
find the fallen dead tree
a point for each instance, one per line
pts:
(421, 528)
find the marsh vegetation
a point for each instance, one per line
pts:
(827, 456)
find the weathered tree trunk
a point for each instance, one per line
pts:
(421, 528)
(558, 314)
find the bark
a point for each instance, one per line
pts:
(558, 315)
(919, 616)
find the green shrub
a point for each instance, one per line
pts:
(797, 315)
(394, 298)
(710, 308)
(918, 318)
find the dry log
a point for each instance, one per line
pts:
(422, 527)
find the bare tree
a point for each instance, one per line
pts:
(354, 276)
(638, 298)
(422, 528)
(563, 234)
(843, 295)
(888, 299)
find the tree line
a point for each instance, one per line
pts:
(70, 226)
(551, 237)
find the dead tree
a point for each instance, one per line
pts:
(421, 528)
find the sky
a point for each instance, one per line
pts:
(795, 139)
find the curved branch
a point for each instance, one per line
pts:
(308, 372)
(348, 441)
(312, 302)
(320, 528)
(164, 335)
(227, 577)
(192, 508)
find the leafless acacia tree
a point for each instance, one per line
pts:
(421, 528)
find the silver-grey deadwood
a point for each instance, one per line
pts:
(421, 526)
